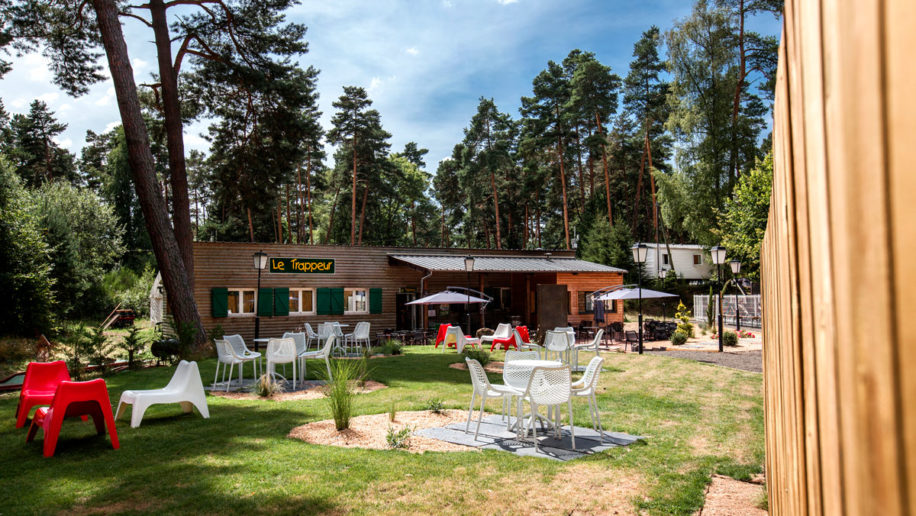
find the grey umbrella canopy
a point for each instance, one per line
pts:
(447, 297)
(632, 293)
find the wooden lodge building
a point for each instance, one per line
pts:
(349, 284)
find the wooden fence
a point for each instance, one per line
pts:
(838, 273)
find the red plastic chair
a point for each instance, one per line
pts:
(38, 387)
(505, 342)
(441, 335)
(74, 399)
(523, 333)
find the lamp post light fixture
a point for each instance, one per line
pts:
(718, 258)
(640, 252)
(260, 263)
(736, 269)
(468, 267)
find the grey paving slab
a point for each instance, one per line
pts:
(497, 431)
(456, 436)
(526, 449)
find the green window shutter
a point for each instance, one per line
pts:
(219, 302)
(323, 301)
(375, 300)
(281, 301)
(337, 301)
(266, 302)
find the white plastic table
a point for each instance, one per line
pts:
(517, 373)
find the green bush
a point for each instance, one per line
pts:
(435, 405)
(340, 391)
(730, 338)
(679, 337)
(477, 354)
(683, 315)
(125, 287)
(390, 347)
(398, 438)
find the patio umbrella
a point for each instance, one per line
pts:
(447, 297)
(632, 293)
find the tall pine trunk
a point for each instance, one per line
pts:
(353, 198)
(495, 209)
(171, 111)
(308, 193)
(169, 258)
(333, 208)
(563, 180)
(733, 158)
(362, 215)
(607, 179)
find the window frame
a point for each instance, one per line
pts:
(582, 301)
(698, 259)
(298, 312)
(241, 302)
(347, 302)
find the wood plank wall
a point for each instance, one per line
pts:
(229, 264)
(838, 274)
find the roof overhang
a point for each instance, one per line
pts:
(484, 263)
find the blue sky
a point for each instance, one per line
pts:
(425, 63)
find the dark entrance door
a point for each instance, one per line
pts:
(552, 306)
(406, 314)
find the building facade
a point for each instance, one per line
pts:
(689, 261)
(349, 284)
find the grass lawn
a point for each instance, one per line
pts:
(699, 419)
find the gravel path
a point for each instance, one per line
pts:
(747, 360)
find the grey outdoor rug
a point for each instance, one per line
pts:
(494, 436)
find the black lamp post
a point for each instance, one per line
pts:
(718, 258)
(736, 269)
(260, 262)
(640, 251)
(468, 267)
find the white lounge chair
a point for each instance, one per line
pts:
(185, 388)
(502, 331)
(460, 339)
(324, 352)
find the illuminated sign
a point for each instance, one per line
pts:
(302, 265)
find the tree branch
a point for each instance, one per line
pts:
(136, 17)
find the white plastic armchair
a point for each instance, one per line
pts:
(588, 346)
(185, 388)
(484, 389)
(281, 351)
(361, 335)
(324, 352)
(310, 336)
(586, 387)
(550, 387)
(243, 353)
(299, 339)
(225, 355)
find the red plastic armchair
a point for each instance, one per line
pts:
(441, 335)
(523, 333)
(74, 399)
(38, 387)
(505, 342)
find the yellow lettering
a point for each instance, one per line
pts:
(278, 264)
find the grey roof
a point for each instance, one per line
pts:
(503, 263)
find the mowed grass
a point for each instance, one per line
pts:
(698, 419)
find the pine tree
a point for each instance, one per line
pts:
(32, 150)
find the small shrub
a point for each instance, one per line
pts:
(217, 333)
(710, 312)
(435, 405)
(679, 337)
(75, 342)
(340, 392)
(683, 315)
(133, 344)
(477, 354)
(398, 439)
(266, 386)
(393, 411)
(729, 338)
(390, 347)
(98, 349)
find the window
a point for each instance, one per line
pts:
(505, 298)
(241, 301)
(665, 259)
(301, 301)
(356, 301)
(697, 259)
(610, 307)
(586, 302)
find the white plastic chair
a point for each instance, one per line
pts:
(484, 389)
(360, 335)
(300, 339)
(243, 353)
(502, 331)
(341, 339)
(556, 346)
(550, 387)
(521, 355)
(527, 346)
(586, 388)
(589, 346)
(310, 336)
(323, 352)
(185, 388)
(281, 351)
(226, 356)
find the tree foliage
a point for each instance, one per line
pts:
(744, 220)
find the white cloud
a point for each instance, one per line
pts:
(66, 143)
(107, 98)
(412, 51)
(111, 125)
(506, 2)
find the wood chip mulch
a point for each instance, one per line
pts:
(314, 393)
(370, 431)
(492, 367)
(726, 496)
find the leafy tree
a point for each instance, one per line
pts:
(32, 150)
(27, 303)
(744, 220)
(80, 253)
